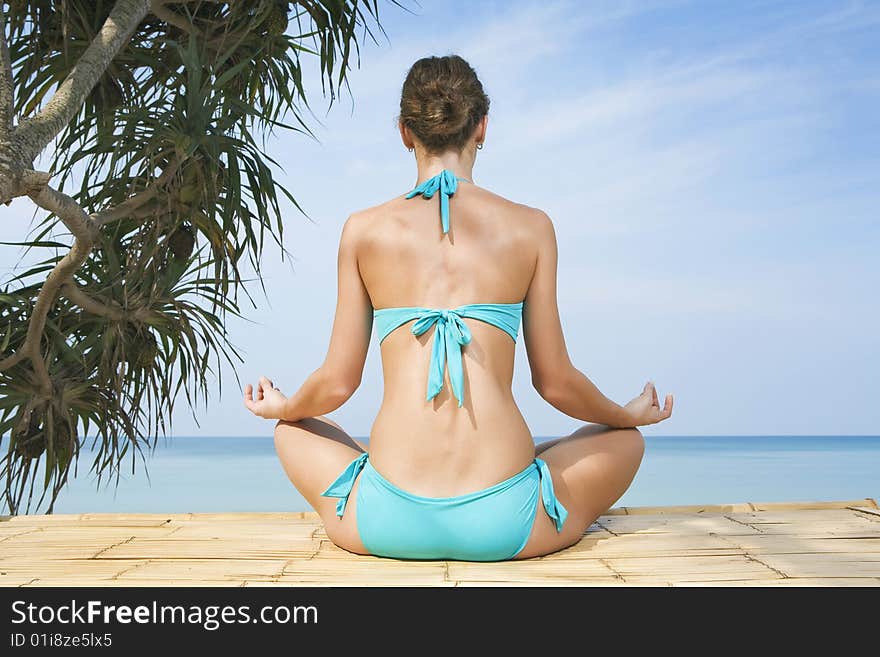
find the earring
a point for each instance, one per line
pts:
(480, 146)
(410, 150)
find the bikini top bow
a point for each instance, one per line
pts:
(450, 335)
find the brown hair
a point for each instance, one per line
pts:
(442, 102)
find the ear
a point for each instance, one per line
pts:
(480, 131)
(405, 136)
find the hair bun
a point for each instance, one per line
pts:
(442, 102)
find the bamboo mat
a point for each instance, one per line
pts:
(747, 544)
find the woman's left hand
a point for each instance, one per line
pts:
(268, 403)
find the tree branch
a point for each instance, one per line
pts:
(85, 232)
(111, 311)
(76, 294)
(59, 275)
(68, 211)
(171, 17)
(128, 206)
(35, 133)
(14, 359)
(5, 81)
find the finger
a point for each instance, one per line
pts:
(655, 400)
(667, 407)
(647, 389)
(248, 393)
(265, 385)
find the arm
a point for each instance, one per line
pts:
(555, 378)
(336, 380)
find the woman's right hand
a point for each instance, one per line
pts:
(266, 402)
(645, 409)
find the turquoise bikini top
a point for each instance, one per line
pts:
(450, 332)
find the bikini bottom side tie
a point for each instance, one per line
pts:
(341, 487)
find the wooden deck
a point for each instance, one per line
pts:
(820, 543)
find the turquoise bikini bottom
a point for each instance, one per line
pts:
(492, 524)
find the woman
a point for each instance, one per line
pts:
(448, 272)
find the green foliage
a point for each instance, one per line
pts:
(186, 107)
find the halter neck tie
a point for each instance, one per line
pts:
(446, 183)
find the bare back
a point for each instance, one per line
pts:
(436, 448)
(448, 301)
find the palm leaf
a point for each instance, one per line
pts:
(197, 104)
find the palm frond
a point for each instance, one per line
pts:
(181, 116)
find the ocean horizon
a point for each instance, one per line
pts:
(192, 474)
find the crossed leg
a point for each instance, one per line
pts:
(314, 452)
(591, 469)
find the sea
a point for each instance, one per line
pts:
(205, 474)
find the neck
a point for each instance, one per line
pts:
(430, 165)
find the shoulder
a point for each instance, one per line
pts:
(530, 218)
(538, 221)
(358, 222)
(533, 223)
(366, 228)
(355, 226)
(535, 229)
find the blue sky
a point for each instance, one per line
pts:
(713, 171)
